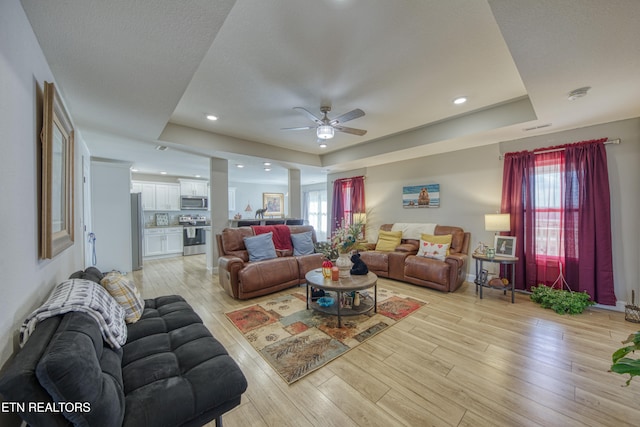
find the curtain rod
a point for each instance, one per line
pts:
(552, 150)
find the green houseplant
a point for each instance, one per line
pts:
(626, 365)
(560, 300)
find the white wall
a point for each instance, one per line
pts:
(252, 194)
(26, 280)
(471, 186)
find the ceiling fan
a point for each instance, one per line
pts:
(327, 127)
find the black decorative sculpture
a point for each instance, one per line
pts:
(359, 268)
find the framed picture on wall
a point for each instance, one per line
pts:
(421, 196)
(273, 203)
(505, 246)
(56, 220)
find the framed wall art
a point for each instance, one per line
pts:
(56, 219)
(505, 246)
(273, 203)
(421, 196)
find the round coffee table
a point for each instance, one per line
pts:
(344, 285)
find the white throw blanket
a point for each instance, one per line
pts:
(411, 230)
(87, 297)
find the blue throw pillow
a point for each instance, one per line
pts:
(302, 243)
(260, 247)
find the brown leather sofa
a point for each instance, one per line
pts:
(244, 279)
(403, 264)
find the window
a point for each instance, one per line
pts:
(316, 212)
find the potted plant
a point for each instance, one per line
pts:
(560, 300)
(626, 365)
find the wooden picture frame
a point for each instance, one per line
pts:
(57, 209)
(505, 246)
(273, 203)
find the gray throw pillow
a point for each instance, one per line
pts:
(302, 243)
(260, 247)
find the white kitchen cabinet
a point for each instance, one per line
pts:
(192, 187)
(174, 240)
(158, 196)
(136, 187)
(148, 197)
(163, 241)
(154, 244)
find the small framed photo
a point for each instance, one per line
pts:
(347, 301)
(484, 275)
(505, 246)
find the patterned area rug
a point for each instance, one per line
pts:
(296, 341)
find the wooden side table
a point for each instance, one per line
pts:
(480, 259)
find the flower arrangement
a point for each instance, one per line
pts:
(345, 238)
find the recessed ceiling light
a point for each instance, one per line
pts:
(460, 100)
(134, 170)
(197, 176)
(323, 145)
(239, 166)
(162, 147)
(211, 117)
(267, 169)
(267, 164)
(163, 173)
(578, 93)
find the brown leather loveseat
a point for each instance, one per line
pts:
(244, 279)
(403, 264)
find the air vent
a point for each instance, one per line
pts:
(578, 93)
(546, 125)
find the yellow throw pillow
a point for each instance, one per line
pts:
(430, 240)
(388, 240)
(125, 293)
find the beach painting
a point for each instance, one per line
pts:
(421, 196)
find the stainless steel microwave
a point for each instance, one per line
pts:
(194, 202)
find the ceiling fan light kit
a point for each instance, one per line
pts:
(325, 132)
(326, 127)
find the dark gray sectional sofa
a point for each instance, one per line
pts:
(170, 372)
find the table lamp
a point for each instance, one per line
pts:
(496, 223)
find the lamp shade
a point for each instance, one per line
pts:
(359, 218)
(497, 222)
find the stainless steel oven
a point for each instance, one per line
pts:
(193, 240)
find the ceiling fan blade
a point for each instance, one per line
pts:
(353, 131)
(309, 114)
(299, 128)
(353, 114)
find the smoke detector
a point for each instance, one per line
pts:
(578, 93)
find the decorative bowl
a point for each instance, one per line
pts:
(325, 301)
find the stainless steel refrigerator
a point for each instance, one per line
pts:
(137, 230)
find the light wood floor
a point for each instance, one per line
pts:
(458, 361)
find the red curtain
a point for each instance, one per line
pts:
(517, 183)
(576, 208)
(588, 247)
(348, 198)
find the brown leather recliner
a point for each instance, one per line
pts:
(243, 279)
(403, 264)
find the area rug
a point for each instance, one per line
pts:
(296, 341)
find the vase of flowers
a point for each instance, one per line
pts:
(345, 240)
